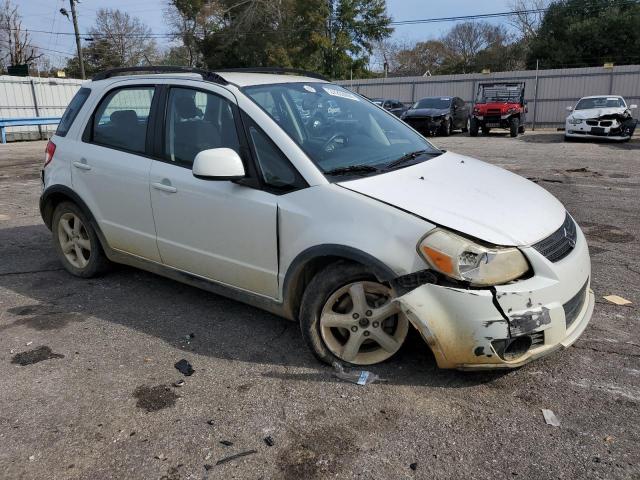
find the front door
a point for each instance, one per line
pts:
(219, 230)
(111, 171)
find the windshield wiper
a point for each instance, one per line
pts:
(352, 169)
(410, 156)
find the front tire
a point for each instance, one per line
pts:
(465, 129)
(447, 128)
(76, 243)
(474, 127)
(350, 317)
(514, 126)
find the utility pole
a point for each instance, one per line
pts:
(75, 28)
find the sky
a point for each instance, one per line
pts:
(44, 15)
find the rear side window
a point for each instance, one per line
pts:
(72, 111)
(121, 119)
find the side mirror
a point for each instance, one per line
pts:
(218, 164)
(633, 107)
(569, 109)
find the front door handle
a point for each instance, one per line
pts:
(164, 187)
(82, 164)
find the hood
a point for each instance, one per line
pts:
(427, 112)
(596, 112)
(504, 106)
(470, 196)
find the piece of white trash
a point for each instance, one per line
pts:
(550, 417)
(360, 377)
(617, 300)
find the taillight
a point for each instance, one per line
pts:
(48, 152)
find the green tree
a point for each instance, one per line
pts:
(581, 33)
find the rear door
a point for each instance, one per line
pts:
(220, 230)
(110, 171)
(461, 113)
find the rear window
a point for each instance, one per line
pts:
(72, 111)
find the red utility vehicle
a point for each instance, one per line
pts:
(499, 105)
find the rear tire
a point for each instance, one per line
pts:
(514, 126)
(345, 306)
(76, 243)
(521, 129)
(473, 127)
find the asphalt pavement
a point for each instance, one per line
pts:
(87, 366)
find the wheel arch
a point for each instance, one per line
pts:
(56, 194)
(310, 262)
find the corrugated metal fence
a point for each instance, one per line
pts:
(548, 92)
(26, 97)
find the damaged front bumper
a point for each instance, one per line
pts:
(509, 325)
(612, 127)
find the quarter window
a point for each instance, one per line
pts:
(275, 168)
(122, 118)
(72, 111)
(197, 121)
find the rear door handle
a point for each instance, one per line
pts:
(82, 164)
(164, 187)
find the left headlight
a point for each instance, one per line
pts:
(462, 259)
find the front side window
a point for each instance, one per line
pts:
(72, 111)
(600, 102)
(338, 129)
(197, 121)
(121, 119)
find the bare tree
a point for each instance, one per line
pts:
(122, 40)
(466, 40)
(527, 17)
(15, 42)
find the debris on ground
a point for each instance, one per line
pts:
(414, 466)
(184, 368)
(178, 383)
(226, 443)
(550, 417)
(617, 300)
(210, 422)
(609, 439)
(237, 455)
(208, 467)
(269, 441)
(160, 457)
(155, 398)
(360, 377)
(34, 356)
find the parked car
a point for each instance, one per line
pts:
(600, 116)
(499, 105)
(358, 228)
(438, 115)
(391, 105)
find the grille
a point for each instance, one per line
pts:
(560, 243)
(593, 123)
(537, 338)
(606, 123)
(572, 307)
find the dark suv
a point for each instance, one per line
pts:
(391, 105)
(438, 115)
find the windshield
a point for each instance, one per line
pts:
(599, 102)
(439, 103)
(499, 93)
(338, 129)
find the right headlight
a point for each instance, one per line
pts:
(460, 258)
(574, 121)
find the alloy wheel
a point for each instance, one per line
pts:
(361, 323)
(74, 240)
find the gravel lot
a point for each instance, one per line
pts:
(102, 405)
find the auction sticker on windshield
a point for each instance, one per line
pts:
(334, 92)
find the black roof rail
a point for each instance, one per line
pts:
(207, 75)
(276, 70)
